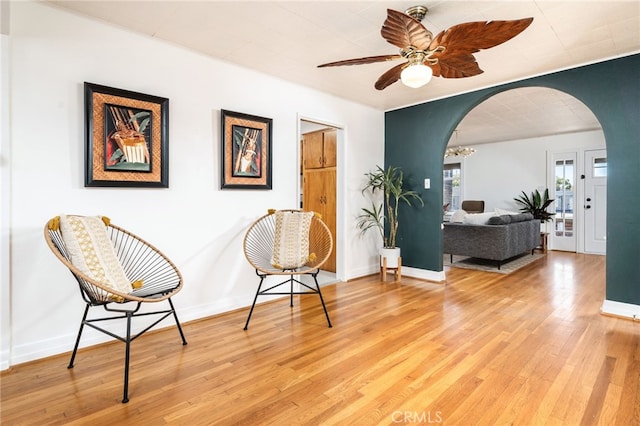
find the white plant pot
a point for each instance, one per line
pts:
(392, 255)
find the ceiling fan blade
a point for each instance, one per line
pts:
(390, 77)
(457, 67)
(471, 37)
(403, 31)
(360, 61)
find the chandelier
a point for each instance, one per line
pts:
(459, 151)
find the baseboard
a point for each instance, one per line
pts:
(4, 361)
(363, 272)
(407, 271)
(620, 309)
(64, 343)
(423, 274)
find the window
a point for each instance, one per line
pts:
(451, 186)
(599, 167)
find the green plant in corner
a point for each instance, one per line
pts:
(390, 183)
(536, 205)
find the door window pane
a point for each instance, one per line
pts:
(599, 167)
(563, 219)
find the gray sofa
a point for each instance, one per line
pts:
(502, 238)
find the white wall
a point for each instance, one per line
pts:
(498, 172)
(199, 226)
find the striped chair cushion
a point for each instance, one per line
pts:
(291, 242)
(92, 252)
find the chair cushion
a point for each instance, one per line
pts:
(291, 241)
(92, 252)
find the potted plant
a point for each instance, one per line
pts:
(536, 205)
(390, 183)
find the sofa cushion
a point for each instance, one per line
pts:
(504, 219)
(522, 217)
(477, 218)
(458, 216)
(500, 212)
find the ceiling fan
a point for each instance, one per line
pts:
(448, 55)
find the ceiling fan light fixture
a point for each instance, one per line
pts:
(417, 12)
(416, 75)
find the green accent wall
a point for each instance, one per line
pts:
(416, 138)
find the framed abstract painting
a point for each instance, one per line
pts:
(126, 138)
(246, 151)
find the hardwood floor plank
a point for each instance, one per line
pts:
(528, 348)
(599, 391)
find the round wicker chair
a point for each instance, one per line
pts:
(259, 243)
(141, 263)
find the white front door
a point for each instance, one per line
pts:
(595, 201)
(563, 232)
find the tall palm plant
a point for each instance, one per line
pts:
(390, 182)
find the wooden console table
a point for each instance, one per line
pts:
(544, 241)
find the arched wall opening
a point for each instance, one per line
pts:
(521, 138)
(416, 138)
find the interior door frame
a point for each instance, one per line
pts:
(578, 196)
(578, 190)
(340, 182)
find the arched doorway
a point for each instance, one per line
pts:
(527, 139)
(610, 89)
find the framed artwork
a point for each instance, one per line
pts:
(126, 139)
(246, 151)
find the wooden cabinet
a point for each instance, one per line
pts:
(319, 196)
(319, 149)
(319, 181)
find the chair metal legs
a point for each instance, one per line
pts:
(129, 314)
(75, 348)
(127, 351)
(290, 293)
(322, 300)
(253, 305)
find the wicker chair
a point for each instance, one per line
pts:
(259, 243)
(141, 263)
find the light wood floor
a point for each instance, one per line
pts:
(528, 348)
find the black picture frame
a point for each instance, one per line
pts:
(126, 138)
(246, 151)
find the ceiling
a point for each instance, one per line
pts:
(288, 39)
